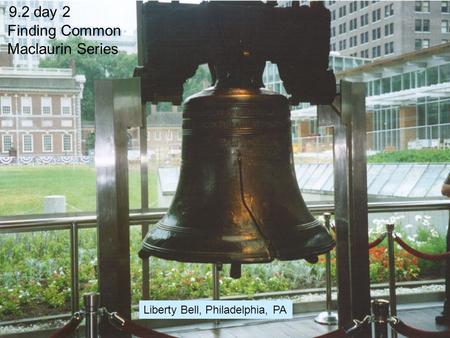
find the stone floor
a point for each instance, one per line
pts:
(302, 326)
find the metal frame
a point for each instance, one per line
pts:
(143, 145)
(117, 107)
(347, 116)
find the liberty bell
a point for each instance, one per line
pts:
(237, 199)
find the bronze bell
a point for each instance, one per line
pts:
(237, 199)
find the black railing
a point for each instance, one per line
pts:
(74, 222)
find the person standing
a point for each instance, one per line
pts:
(445, 317)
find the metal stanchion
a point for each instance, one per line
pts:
(217, 267)
(327, 317)
(391, 254)
(91, 305)
(380, 313)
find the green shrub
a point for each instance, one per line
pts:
(35, 271)
(411, 156)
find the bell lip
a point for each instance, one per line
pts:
(207, 257)
(196, 257)
(292, 255)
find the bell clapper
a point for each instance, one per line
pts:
(235, 270)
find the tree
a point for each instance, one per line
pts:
(93, 67)
(111, 66)
(199, 81)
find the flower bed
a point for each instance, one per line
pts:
(35, 270)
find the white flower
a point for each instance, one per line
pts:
(412, 238)
(407, 226)
(418, 218)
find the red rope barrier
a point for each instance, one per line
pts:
(68, 329)
(410, 332)
(373, 244)
(377, 241)
(334, 334)
(414, 252)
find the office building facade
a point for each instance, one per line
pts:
(374, 29)
(29, 60)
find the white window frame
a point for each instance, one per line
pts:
(422, 6)
(445, 26)
(66, 102)
(26, 101)
(6, 101)
(4, 150)
(46, 101)
(43, 143)
(71, 143)
(422, 26)
(23, 143)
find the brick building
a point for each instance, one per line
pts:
(40, 112)
(164, 134)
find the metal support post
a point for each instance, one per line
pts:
(217, 267)
(74, 267)
(380, 313)
(91, 306)
(391, 255)
(144, 160)
(117, 107)
(347, 116)
(327, 317)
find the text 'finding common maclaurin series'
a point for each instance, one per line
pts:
(50, 32)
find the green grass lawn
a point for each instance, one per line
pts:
(23, 188)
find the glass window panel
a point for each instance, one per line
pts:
(423, 184)
(410, 180)
(338, 64)
(435, 189)
(318, 172)
(381, 179)
(444, 111)
(348, 63)
(421, 76)
(386, 84)
(421, 115)
(406, 80)
(432, 75)
(445, 133)
(444, 73)
(392, 185)
(377, 87)
(433, 116)
(396, 83)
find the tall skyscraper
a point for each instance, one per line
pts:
(373, 29)
(30, 61)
